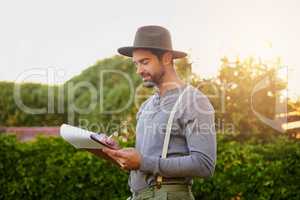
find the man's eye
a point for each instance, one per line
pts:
(145, 62)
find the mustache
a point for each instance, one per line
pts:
(146, 74)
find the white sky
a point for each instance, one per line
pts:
(70, 36)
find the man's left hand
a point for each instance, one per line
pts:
(128, 158)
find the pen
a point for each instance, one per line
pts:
(109, 137)
(114, 134)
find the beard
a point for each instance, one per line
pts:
(149, 84)
(154, 79)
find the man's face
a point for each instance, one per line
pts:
(148, 67)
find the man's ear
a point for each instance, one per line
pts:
(167, 58)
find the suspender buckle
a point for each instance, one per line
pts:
(158, 182)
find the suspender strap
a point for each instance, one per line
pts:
(168, 134)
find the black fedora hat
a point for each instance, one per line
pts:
(152, 37)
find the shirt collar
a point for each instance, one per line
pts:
(170, 91)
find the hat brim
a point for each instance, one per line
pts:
(127, 51)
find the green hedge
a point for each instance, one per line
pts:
(49, 168)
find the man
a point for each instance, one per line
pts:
(191, 151)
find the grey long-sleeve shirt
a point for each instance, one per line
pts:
(192, 147)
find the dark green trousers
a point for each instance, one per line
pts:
(166, 192)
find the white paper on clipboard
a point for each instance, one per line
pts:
(79, 137)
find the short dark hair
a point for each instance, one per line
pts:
(157, 52)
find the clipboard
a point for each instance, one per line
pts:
(81, 138)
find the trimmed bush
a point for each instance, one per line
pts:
(49, 168)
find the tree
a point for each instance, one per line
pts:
(238, 79)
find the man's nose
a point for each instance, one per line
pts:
(139, 69)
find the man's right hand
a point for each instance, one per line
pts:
(110, 142)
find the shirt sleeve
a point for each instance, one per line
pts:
(199, 130)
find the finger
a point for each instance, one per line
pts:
(116, 153)
(122, 165)
(120, 154)
(115, 158)
(103, 136)
(109, 152)
(110, 141)
(125, 168)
